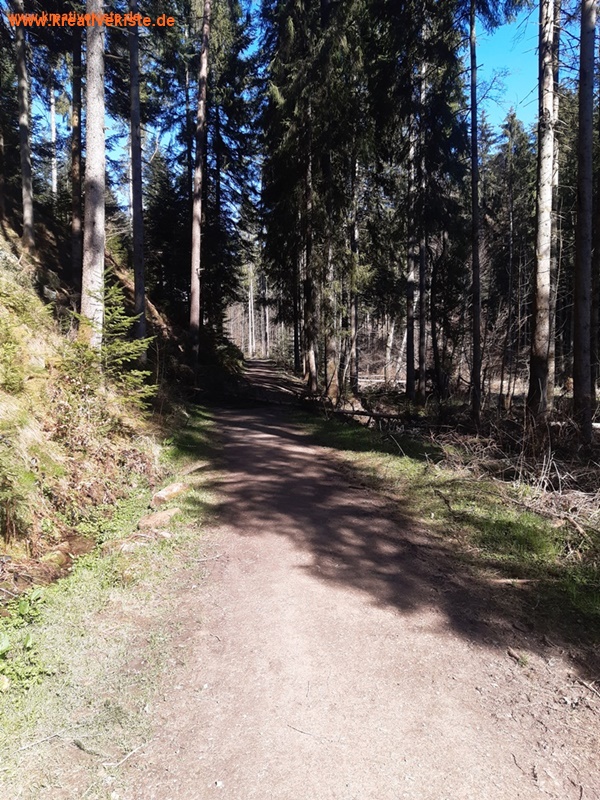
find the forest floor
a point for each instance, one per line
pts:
(320, 640)
(331, 647)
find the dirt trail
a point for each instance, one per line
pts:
(330, 650)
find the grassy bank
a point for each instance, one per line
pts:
(83, 655)
(494, 524)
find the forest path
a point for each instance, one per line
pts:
(328, 649)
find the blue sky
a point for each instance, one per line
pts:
(508, 69)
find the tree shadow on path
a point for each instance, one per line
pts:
(276, 482)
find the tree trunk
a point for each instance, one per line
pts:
(2, 168)
(582, 383)
(540, 337)
(28, 238)
(311, 332)
(296, 315)
(441, 378)
(410, 279)
(76, 199)
(189, 142)
(92, 292)
(354, 351)
(331, 334)
(410, 328)
(251, 316)
(2, 179)
(554, 250)
(136, 179)
(195, 321)
(504, 401)
(401, 353)
(53, 160)
(476, 269)
(266, 320)
(353, 292)
(422, 383)
(389, 344)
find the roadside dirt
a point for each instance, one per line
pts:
(329, 648)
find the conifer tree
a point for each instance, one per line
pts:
(136, 180)
(28, 237)
(94, 235)
(195, 318)
(582, 293)
(540, 343)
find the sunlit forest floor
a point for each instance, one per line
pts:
(336, 612)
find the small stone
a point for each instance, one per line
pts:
(158, 519)
(131, 546)
(108, 547)
(168, 493)
(56, 558)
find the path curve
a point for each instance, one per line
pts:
(318, 658)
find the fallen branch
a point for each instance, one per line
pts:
(370, 414)
(306, 733)
(81, 746)
(445, 499)
(39, 741)
(588, 686)
(123, 760)
(577, 527)
(208, 558)
(517, 763)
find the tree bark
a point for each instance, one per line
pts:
(296, 314)
(28, 238)
(554, 250)
(540, 338)
(476, 269)
(310, 289)
(422, 382)
(53, 160)
(582, 296)
(2, 168)
(2, 179)
(441, 378)
(354, 350)
(136, 179)
(92, 292)
(76, 199)
(410, 278)
(389, 344)
(504, 400)
(195, 320)
(251, 314)
(332, 385)
(189, 141)
(353, 293)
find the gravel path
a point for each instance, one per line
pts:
(331, 649)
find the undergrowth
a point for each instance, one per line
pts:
(496, 524)
(68, 651)
(72, 428)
